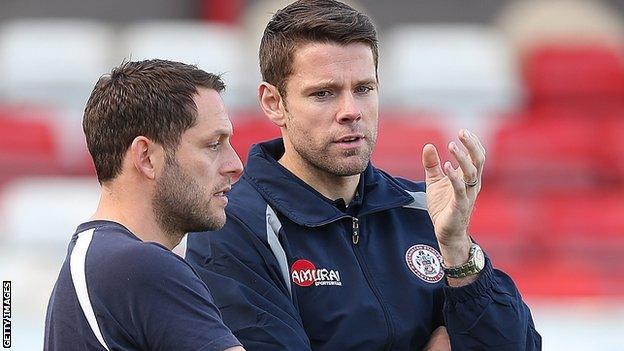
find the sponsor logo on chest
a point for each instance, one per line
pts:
(304, 273)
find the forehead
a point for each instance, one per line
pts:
(333, 60)
(212, 117)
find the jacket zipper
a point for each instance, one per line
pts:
(355, 238)
(355, 234)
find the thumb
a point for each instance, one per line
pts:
(431, 164)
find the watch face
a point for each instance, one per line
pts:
(479, 259)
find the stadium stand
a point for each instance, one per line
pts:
(464, 72)
(401, 139)
(544, 86)
(213, 47)
(251, 128)
(526, 23)
(579, 76)
(53, 61)
(28, 143)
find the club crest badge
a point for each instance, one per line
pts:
(425, 262)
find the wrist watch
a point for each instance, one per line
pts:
(476, 262)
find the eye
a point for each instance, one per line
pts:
(214, 146)
(322, 94)
(364, 89)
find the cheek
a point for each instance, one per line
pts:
(370, 108)
(309, 134)
(313, 121)
(203, 172)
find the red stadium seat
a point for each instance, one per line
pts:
(538, 277)
(27, 143)
(250, 129)
(584, 220)
(612, 143)
(504, 225)
(400, 141)
(547, 241)
(557, 151)
(577, 74)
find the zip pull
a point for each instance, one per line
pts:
(355, 235)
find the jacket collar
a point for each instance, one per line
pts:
(304, 205)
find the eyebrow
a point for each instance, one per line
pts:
(333, 84)
(221, 132)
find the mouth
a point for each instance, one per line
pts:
(350, 138)
(223, 191)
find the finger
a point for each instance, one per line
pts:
(474, 147)
(431, 163)
(468, 169)
(458, 184)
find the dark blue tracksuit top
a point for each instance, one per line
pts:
(292, 270)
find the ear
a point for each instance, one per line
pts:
(272, 103)
(147, 157)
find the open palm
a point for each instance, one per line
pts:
(449, 199)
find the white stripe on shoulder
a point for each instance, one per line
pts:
(420, 200)
(273, 227)
(77, 262)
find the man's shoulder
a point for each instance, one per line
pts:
(410, 185)
(404, 183)
(246, 205)
(114, 256)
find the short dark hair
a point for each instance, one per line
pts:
(153, 98)
(306, 21)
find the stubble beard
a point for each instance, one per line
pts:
(323, 160)
(348, 163)
(178, 204)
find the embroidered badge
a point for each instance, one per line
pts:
(425, 262)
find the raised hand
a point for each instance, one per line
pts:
(451, 194)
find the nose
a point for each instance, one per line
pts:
(232, 165)
(349, 110)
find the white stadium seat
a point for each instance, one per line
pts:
(37, 219)
(465, 72)
(52, 61)
(212, 47)
(528, 23)
(43, 212)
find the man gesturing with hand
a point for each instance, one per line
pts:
(323, 251)
(451, 195)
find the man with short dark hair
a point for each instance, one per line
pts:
(159, 136)
(323, 251)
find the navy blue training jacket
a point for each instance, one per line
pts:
(292, 270)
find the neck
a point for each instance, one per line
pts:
(329, 185)
(134, 212)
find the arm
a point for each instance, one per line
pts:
(247, 287)
(489, 314)
(482, 311)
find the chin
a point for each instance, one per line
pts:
(208, 222)
(347, 168)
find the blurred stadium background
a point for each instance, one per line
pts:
(541, 81)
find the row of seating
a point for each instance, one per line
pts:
(528, 152)
(466, 72)
(58, 61)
